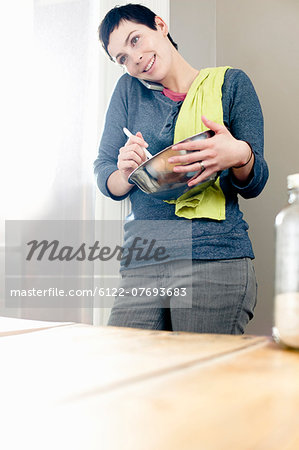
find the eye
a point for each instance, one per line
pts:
(134, 40)
(122, 60)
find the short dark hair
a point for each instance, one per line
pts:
(131, 12)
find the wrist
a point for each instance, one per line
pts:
(248, 155)
(123, 178)
(118, 184)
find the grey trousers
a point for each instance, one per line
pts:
(195, 296)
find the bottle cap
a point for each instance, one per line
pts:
(293, 181)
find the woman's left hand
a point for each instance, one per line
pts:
(220, 152)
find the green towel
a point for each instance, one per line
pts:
(203, 98)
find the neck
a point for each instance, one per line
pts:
(181, 75)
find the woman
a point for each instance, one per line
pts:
(221, 274)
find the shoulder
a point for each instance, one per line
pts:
(235, 80)
(123, 84)
(126, 83)
(126, 91)
(237, 87)
(130, 90)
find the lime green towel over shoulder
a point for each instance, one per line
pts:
(203, 98)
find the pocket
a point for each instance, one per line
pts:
(252, 285)
(222, 284)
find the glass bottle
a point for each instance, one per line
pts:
(286, 317)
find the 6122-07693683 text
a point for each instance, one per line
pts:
(101, 292)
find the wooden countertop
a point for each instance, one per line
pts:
(74, 386)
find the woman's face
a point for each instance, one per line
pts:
(145, 53)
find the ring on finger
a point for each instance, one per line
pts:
(202, 166)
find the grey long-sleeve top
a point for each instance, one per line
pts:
(134, 106)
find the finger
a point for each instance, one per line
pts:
(212, 125)
(126, 152)
(193, 145)
(140, 150)
(137, 139)
(196, 167)
(125, 166)
(191, 157)
(186, 159)
(139, 134)
(200, 177)
(131, 155)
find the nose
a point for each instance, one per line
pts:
(139, 59)
(134, 62)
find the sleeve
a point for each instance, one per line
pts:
(113, 137)
(245, 122)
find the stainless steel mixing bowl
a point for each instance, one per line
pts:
(156, 177)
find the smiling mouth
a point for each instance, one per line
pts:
(150, 64)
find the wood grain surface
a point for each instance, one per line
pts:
(84, 387)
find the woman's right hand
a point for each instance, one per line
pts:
(131, 155)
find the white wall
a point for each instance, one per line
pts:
(262, 38)
(193, 28)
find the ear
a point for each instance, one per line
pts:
(161, 25)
